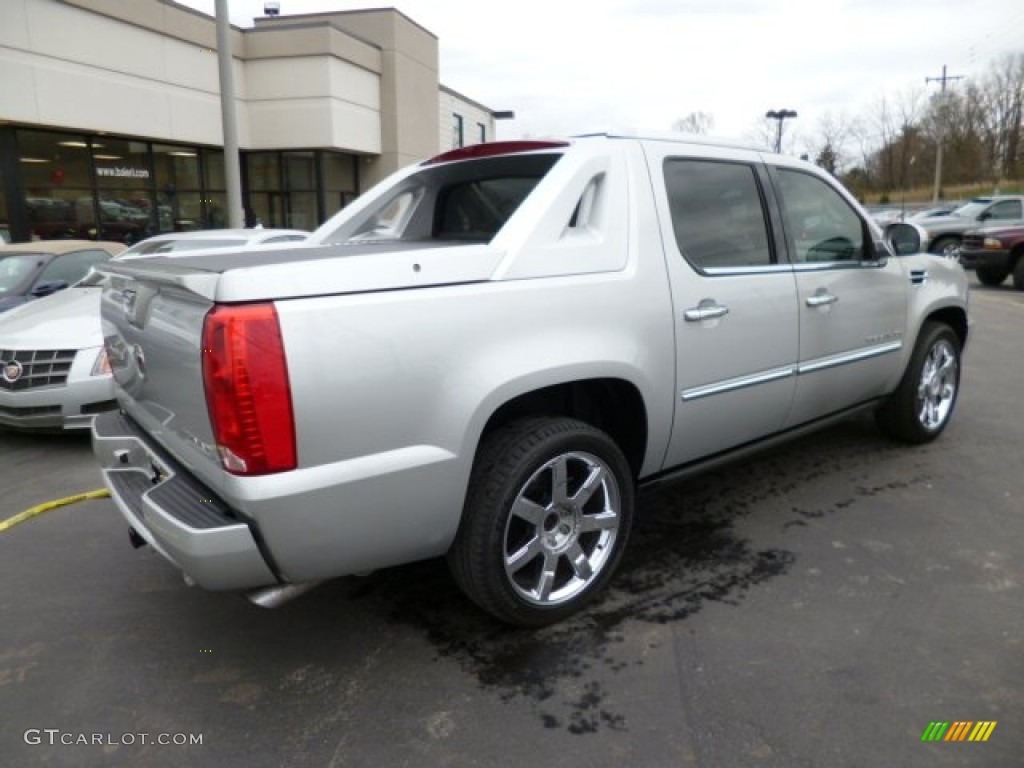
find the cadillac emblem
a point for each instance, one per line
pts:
(12, 371)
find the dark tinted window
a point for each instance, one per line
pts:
(820, 224)
(476, 210)
(71, 267)
(16, 269)
(717, 214)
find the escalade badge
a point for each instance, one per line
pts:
(12, 371)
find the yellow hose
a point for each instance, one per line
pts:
(100, 493)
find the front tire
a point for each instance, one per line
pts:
(991, 275)
(547, 516)
(1018, 273)
(922, 405)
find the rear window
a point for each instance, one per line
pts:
(462, 201)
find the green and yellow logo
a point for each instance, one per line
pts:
(959, 730)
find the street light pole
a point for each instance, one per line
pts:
(232, 169)
(779, 115)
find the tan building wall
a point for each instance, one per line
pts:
(359, 81)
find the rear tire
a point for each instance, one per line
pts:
(922, 405)
(992, 275)
(547, 516)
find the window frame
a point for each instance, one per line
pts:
(769, 212)
(871, 255)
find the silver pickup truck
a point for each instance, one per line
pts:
(486, 354)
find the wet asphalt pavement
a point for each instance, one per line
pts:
(819, 605)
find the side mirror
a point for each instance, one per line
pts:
(904, 238)
(50, 286)
(984, 215)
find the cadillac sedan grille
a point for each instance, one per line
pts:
(973, 241)
(33, 369)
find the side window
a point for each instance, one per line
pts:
(820, 225)
(1006, 209)
(71, 267)
(717, 214)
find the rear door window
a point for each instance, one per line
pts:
(718, 214)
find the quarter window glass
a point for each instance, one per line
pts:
(717, 215)
(1007, 209)
(820, 225)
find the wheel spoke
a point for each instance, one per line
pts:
(547, 576)
(579, 562)
(560, 481)
(603, 521)
(586, 491)
(524, 555)
(529, 511)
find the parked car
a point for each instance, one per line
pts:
(483, 356)
(931, 213)
(946, 231)
(32, 270)
(55, 371)
(995, 252)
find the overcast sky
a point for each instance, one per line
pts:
(571, 66)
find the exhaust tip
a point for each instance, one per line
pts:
(278, 595)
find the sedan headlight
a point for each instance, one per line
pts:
(992, 243)
(102, 365)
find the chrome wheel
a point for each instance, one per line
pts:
(936, 389)
(951, 250)
(562, 528)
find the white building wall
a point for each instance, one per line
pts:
(473, 116)
(66, 67)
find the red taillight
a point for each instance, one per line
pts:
(247, 391)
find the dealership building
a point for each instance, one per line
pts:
(110, 115)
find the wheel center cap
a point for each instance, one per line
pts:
(560, 527)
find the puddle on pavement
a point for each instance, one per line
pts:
(683, 554)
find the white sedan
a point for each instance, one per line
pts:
(54, 372)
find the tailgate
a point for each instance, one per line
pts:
(152, 321)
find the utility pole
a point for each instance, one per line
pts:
(942, 127)
(232, 169)
(779, 115)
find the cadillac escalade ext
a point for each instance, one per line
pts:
(486, 354)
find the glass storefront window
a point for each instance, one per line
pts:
(178, 198)
(5, 222)
(264, 172)
(299, 171)
(301, 213)
(125, 180)
(339, 181)
(213, 161)
(53, 161)
(215, 207)
(57, 177)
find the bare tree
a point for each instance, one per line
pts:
(828, 145)
(695, 122)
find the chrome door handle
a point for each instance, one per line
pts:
(708, 309)
(821, 298)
